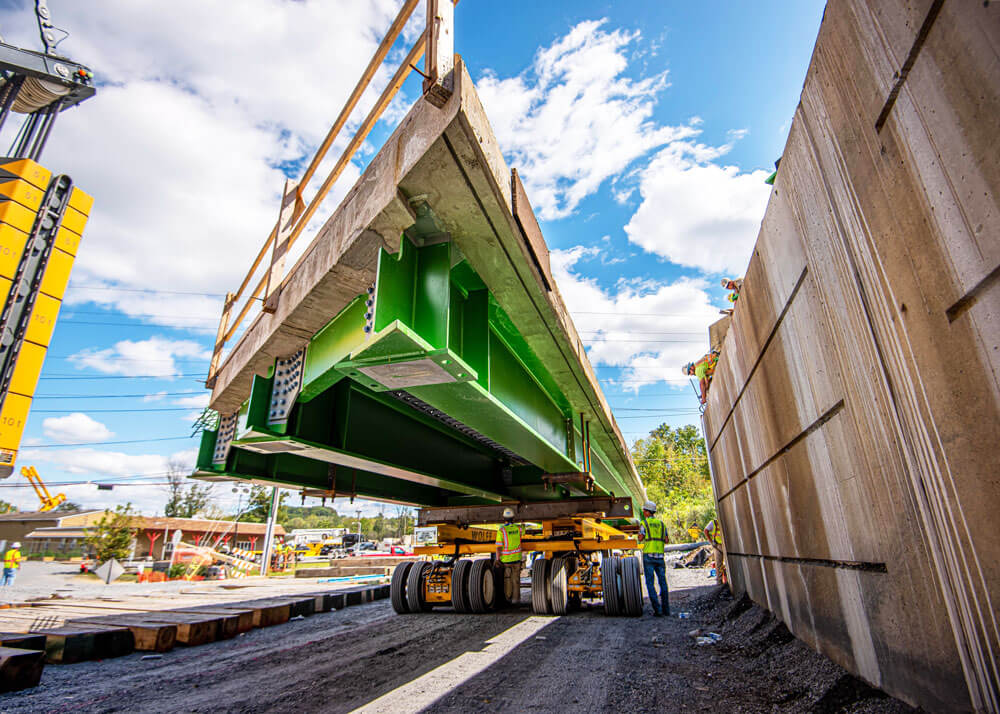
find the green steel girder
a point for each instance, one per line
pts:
(421, 391)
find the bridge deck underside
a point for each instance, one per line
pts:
(453, 443)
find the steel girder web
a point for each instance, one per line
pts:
(420, 391)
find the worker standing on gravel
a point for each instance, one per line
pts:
(509, 555)
(714, 535)
(11, 564)
(653, 536)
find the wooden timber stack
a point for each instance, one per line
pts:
(67, 631)
(854, 418)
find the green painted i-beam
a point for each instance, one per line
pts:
(420, 391)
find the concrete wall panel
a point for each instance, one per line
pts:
(854, 420)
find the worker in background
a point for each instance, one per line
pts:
(703, 370)
(735, 286)
(509, 555)
(11, 564)
(713, 533)
(653, 536)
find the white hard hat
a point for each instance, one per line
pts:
(649, 506)
(16, 544)
(508, 514)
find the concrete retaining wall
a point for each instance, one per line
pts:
(854, 419)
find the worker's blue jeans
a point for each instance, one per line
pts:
(654, 568)
(8, 576)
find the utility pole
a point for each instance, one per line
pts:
(272, 517)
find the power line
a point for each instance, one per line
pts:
(658, 411)
(122, 376)
(136, 314)
(156, 325)
(656, 416)
(642, 332)
(116, 396)
(639, 314)
(118, 411)
(105, 443)
(144, 290)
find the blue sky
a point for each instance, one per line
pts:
(642, 130)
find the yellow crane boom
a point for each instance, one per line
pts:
(47, 500)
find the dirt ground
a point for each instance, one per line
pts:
(367, 657)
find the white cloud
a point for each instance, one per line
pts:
(649, 329)
(696, 213)
(146, 495)
(199, 401)
(573, 120)
(157, 356)
(155, 397)
(201, 105)
(74, 428)
(98, 463)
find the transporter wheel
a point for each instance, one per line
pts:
(397, 587)
(631, 587)
(460, 586)
(415, 588)
(559, 595)
(540, 570)
(508, 585)
(609, 584)
(482, 585)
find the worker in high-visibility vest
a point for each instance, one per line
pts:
(653, 536)
(713, 533)
(509, 556)
(11, 564)
(703, 370)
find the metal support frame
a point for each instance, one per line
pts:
(11, 90)
(272, 519)
(604, 506)
(24, 290)
(51, 114)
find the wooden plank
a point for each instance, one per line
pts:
(147, 636)
(20, 668)
(192, 629)
(22, 640)
(304, 606)
(440, 61)
(237, 620)
(265, 613)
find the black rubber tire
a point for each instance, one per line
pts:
(609, 584)
(540, 570)
(482, 585)
(559, 595)
(397, 587)
(631, 587)
(460, 586)
(415, 588)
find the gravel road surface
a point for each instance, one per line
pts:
(367, 657)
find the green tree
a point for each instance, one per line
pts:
(7, 507)
(69, 506)
(260, 505)
(184, 501)
(111, 537)
(673, 465)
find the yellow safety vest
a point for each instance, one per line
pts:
(12, 559)
(509, 540)
(654, 539)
